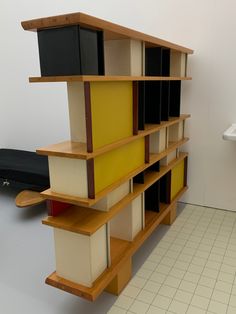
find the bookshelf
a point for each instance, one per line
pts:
(121, 172)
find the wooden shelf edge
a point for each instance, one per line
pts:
(110, 78)
(87, 202)
(102, 282)
(70, 149)
(99, 24)
(95, 218)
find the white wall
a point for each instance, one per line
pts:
(34, 115)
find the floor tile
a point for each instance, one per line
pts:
(185, 258)
(195, 310)
(175, 272)
(229, 261)
(131, 291)
(139, 307)
(116, 310)
(162, 302)
(203, 291)
(149, 265)
(183, 296)
(223, 286)
(231, 310)
(200, 302)
(233, 290)
(208, 272)
(199, 261)
(152, 286)
(178, 307)
(232, 301)
(157, 277)
(144, 273)
(202, 254)
(124, 302)
(226, 277)
(172, 281)
(215, 258)
(155, 310)
(228, 269)
(167, 291)
(138, 282)
(195, 269)
(163, 269)
(207, 281)
(187, 286)
(181, 265)
(191, 277)
(168, 261)
(220, 296)
(146, 296)
(213, 265)
(217, 307)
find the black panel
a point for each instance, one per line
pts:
(141, 105)
(165, 62)
(152, 197)
(25, 168)
(153, 61)
(153, 102)
(174, 98)
(155, 166)
(165, 100)
(70, 51)
(139, 178)
(165, 182)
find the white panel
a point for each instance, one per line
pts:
(176, 132)
(76, 102)
(68, 176)
(157, 141)
(123, 57)
(166, 160)
(128, 222)
(99, 260)
(113, 197)
(73, 260)
(177, 63)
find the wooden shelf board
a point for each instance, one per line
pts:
(49, 194)
(120, 251)
(79, 150)
(111, 30)
(94, 78)
(87, 221)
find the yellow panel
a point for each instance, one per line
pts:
(112, 112)
(114, 165)
(177, 179)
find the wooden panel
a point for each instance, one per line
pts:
(88, 115)
(112, 112)
(90, 178)
(158, 141)
(94, 78)
(28, 198)
(56, 208)
(176, 132)
(178, 63)
(118, 163)
(93, 22)
(135, 108)
(170, 217)
(177, 179)
(78, 150)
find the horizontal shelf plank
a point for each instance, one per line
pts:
(111, 30)
(118, 257)
(49, 194)
(87, 221)
(95, 78)
(79, 150)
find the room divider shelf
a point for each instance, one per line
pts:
(120, 251)
(94, 78)
(121, 173)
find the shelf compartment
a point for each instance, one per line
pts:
(87, 221)
(49, 194)
(70, 50)
(178, 63)
(121, 250)
(123, 57)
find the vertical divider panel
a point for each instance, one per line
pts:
(135, 108)
(90, 174)
(186, 171)
(165, 85)
(175, 95)
(108, 244)
(153, 102)
(88, 115)
(147, 152)
(141, 105)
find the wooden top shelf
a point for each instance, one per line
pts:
(94, 78)
(111, 30)
(120, 251)
(79, 150)
(87, 221)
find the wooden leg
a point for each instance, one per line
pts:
(170, 217)
(121, 279)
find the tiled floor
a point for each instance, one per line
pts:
(192, 269)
